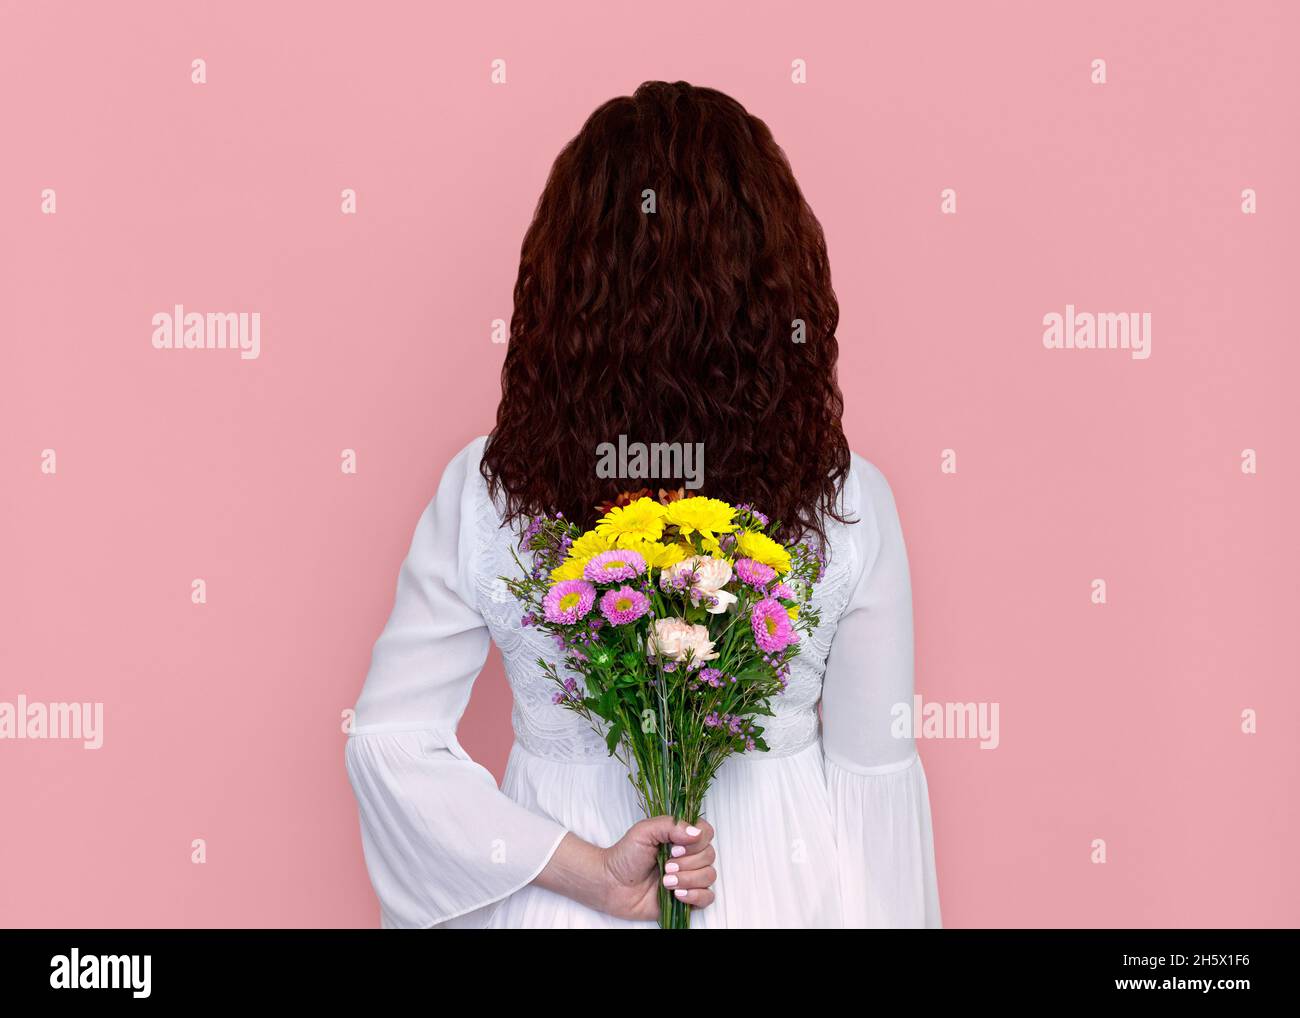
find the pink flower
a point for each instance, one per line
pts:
(624, 605)
(675, 639)
(782, 592)
(568, 601)
(771, 625)
(610, 566)
(756, 574)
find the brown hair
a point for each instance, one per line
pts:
(675, 325)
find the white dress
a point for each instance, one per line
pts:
(829, 828)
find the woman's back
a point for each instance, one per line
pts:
(827, 828)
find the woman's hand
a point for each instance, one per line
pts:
(623, 880)
(633, 867)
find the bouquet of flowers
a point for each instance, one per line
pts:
(677, 621)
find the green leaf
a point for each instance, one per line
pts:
(607, 704)
(613, 736)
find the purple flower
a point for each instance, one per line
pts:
(771, 625)
(624, 605)
(568, 601)
(569, 694)
(611, 566)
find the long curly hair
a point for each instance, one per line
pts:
(660, 289)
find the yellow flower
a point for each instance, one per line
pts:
(625, 526)
(569, 569)
(589, 544)
(660, 556)
(581, 552)
(705, 516)
(793, 612)
(761, 548)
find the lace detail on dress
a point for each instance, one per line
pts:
(546, 730)
(796, 724)
(541, 727)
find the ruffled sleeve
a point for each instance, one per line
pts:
(877, 785)
(440, 839)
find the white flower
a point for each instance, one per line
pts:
(725, 600)
(674, 639)
(705, 575)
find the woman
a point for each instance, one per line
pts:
(673, 287)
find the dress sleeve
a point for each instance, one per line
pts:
(440, 839)
(877, 786)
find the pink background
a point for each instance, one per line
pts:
(222, 722)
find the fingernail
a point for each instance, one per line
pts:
(678, 850)
(670, 881)
(692, 831)
(671, 867)
(680, 894)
